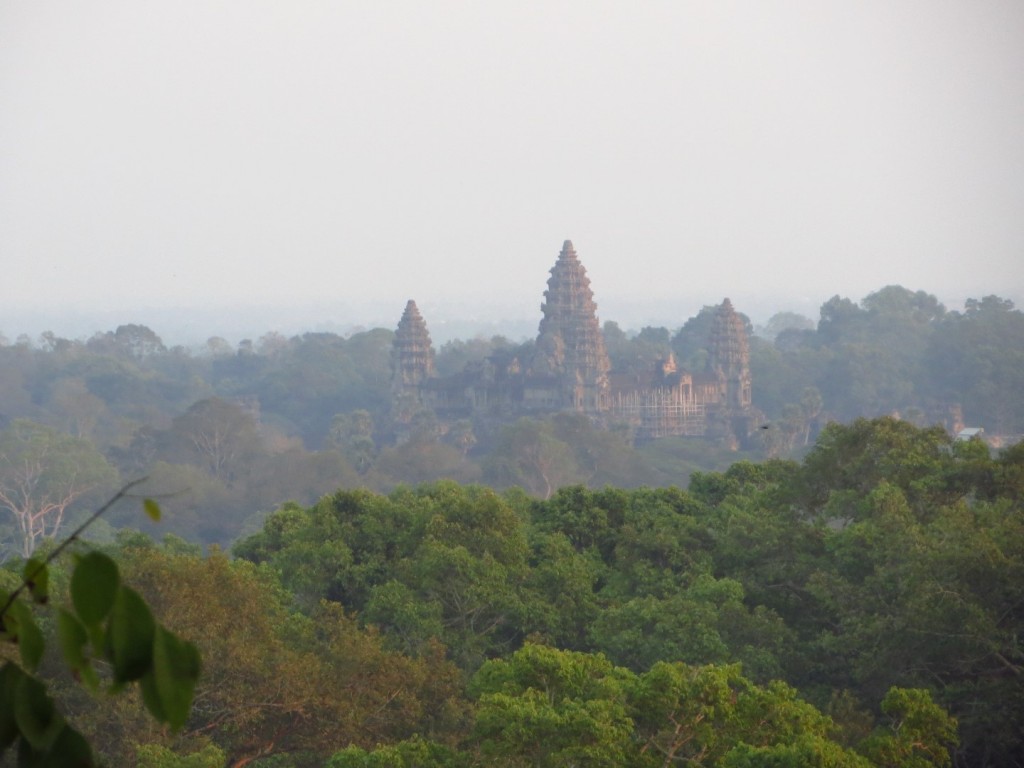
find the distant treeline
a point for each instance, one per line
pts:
(236, 431)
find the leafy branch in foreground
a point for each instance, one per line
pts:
(106, 623)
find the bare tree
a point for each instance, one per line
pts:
(219, 436)
(42, 473)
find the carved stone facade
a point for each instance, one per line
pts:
(715, 402)
(570, 345)
(412, 355)
(570, 371)
(729, 360)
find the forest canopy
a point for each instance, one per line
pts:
(861, 607)
(374, 585)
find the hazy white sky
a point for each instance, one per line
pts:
(216, 154)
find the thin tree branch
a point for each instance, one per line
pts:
(29, 577)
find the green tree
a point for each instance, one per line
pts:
(616, 343)
(441, 560)
(919, 735)
(277, 683)
(199, 507)
(637, 353)
(107, 634)
(334, 374)
(877, 351)
(690, 342)
(544, 707)
(704, 621)
(561, 590)
(977, 359)
(138, 341)
(785, 321)
(848, 461)
(455, 355)
(413, 753)
(698, 713)
(216, 435)
(422, 461)
(352, 435)
(841, 319)
(604, 457)
(529, 455)
(158, 756)
(297, 475)
(79, 412)
(933, 603)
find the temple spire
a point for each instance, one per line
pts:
(412, 356)
(570, 344)
(729, 355)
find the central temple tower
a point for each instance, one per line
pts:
(729, 356)
(570, 346)
(412, 355)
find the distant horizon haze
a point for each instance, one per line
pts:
(192, 326)
(327, 160)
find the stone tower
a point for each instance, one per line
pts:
(570, 346)
(729, 356)
(412, 356)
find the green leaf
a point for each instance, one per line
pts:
(151, 696)
(69, 750)
(130, 636)
(8, 624)
(176, 668)
(37, 718)
(73, 637)
(94, 586)
(152, 509)
(37, 579)
(26, 633)
(27, 756)
(10, 676)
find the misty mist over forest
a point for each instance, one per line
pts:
(489, 314)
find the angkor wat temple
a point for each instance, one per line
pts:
(569, 370)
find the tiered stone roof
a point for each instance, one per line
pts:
(412, 356)
(729, 354)
(570, 344)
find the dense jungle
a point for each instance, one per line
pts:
(546, 592)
